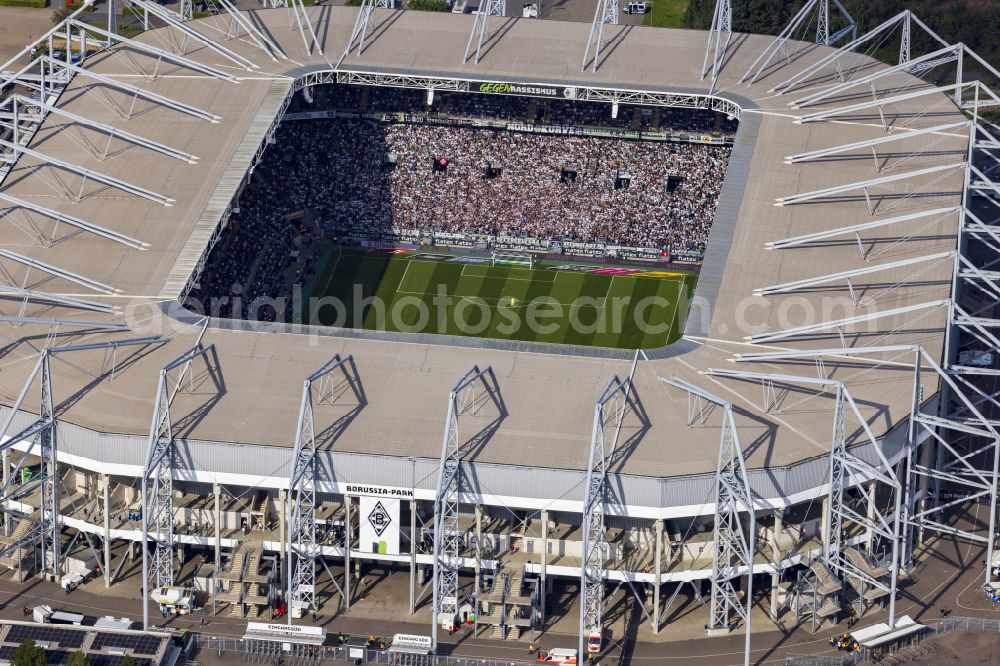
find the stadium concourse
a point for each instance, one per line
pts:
(498, 472)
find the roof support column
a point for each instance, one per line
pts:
(480, 27)
(734, 538)
(413, 556)
(463, 401)
(157, 477)
(335, 378)
(776, 599)
(614, 405)
(719, 36)
(657, 572)
(605, 14)
(106, 505)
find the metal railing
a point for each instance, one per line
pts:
(947, 624)
(934, 628)
(814, 660)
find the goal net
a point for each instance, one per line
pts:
(513, 259)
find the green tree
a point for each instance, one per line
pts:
(129, 660)
(59, 15)
(28, 654)
(78, 659)
(428, 5)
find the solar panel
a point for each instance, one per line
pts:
(113, 660)
(66, 638)
(137, 643)
(59, 657)
(65, 641)
(52, 657)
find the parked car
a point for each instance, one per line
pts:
(636, 8)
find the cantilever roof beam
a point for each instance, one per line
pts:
(259, 37)
(880, 102)
(857, 228)
(56, 299)
(847, 275)
(941, 56)
(763, 61)
(790, 354)
(871, 143)
(74, 323)
(55, 271)
(154, 51)
(112, 131)
(831, 58)
(134, 90)
(104, 179)
(170, 18)
(298, 9)
(865, 184)
(839, 324)
(74, 222)
(127, 342)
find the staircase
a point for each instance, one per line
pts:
(234, 576)
(867, 593)
(828, 584)
(20, 533)
(255, 596)
(818, 593)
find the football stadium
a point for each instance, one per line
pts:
(548, 332)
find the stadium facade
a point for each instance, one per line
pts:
(832, 396)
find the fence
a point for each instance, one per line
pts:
(934, 628)
(947, 624)
(814, 660)
(266, 652)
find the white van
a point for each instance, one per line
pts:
(635, 8)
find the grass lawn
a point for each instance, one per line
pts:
(666, 13)
(555, 301)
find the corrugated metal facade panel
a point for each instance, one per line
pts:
(529, 484)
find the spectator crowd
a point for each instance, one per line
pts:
(327, 178)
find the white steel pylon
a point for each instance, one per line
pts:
(821, 10)
(879, 35)
(320, 388)
(362, 25)
(847, 471)
(463, 401)
(42, 442)
(605, 14)
(734, 539)
(157, 477)
(299, 13)
(718, 39)
(614, 405)
(734, 542)
(481, 27)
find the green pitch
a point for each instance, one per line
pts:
(553, 301)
